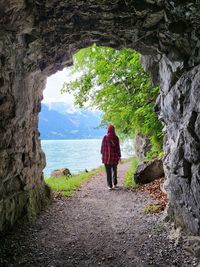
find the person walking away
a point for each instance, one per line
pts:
(111, 155)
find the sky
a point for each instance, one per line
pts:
(52, 91)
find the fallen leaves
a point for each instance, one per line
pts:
(155, 192)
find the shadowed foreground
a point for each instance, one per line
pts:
(96, 227)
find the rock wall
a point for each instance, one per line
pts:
(178, 108)
(37, 38)
(22, 189)
(141, 146)
(180, 111)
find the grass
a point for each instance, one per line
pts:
(152, 208)
(129, 180)
(67, 185)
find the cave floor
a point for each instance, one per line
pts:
(95, 227)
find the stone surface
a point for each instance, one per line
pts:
(192, 245)
(141, 146)
(61, 172)
(180, 112)
(149, 171)
(39, 38)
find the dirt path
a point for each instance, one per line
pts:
(96, 227)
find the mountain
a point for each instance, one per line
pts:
(56, 122)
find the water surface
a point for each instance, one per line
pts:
(76, 155)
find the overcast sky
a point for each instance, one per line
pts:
(53, 86)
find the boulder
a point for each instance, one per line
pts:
(61, 172)
(149, 171)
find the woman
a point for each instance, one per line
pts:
(111, 155)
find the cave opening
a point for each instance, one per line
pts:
(39, 38)
(60, 120)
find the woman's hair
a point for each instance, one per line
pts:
(111, 130)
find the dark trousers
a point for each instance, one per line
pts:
(111, 172)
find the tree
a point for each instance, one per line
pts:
(115, 82)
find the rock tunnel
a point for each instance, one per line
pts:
(39, 38)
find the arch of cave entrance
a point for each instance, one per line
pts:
(39, 38)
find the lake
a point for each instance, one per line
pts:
(76, 155)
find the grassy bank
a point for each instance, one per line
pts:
(66, 185)
(128, 180)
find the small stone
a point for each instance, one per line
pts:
(110, 257)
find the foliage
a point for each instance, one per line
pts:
(152, 208)
(128, 180)
(66, 185)
(115, 82)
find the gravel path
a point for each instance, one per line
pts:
(95, 227)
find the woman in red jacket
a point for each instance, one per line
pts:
(111, 155)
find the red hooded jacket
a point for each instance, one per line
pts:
(110, 148)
